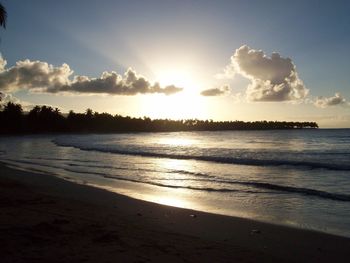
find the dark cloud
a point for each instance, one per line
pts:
(42, 77)
(115, 84)
(216, 91)
(272, 78)
(323, 102)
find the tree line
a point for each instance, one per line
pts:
(45, 119)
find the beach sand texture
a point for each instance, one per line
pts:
(47, 219)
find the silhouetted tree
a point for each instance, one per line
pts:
(46, 119)
(89, 113)
(3, 16)
(11, 118)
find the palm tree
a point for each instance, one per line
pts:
(3, 16)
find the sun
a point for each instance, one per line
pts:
(186, 104)
(182, 78)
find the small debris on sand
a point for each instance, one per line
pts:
(255, 231)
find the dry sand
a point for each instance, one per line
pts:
(47, 219)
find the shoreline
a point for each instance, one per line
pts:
(44, 216)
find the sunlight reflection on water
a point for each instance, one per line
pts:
(175, 141)
(171, 201)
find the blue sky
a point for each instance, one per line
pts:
(187, 43)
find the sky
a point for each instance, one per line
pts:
(220, 60)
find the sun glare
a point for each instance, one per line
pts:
(186, 104)
(180, 78)
(179, 106)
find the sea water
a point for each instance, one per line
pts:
(290, 177)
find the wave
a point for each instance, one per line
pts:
(276, 188)
(173, 171)
(31, 163)
(216, 159)
(300, 190)
(261, 185)
(57, 159)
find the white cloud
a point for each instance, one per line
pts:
(3, 63)
(323, 102)
(272, 78)
(228, 73)
(216, 91)
(43, 77)
(6, 98)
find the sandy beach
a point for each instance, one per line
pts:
(47, 219)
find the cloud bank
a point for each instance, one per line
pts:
(272, 78)
(324, 102)
(216, 91)
(42, 77)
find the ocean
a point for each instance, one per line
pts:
(299, 178)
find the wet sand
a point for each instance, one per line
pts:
(47, 219)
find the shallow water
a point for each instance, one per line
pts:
(292, 177)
